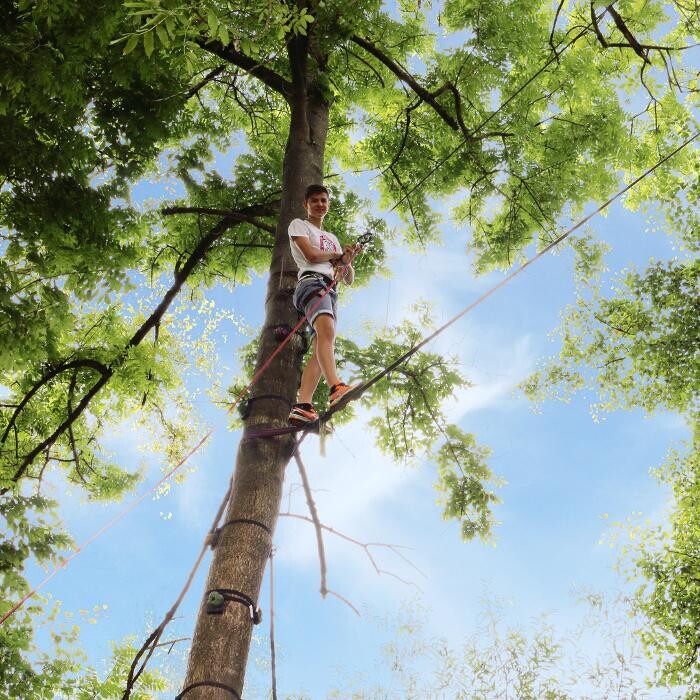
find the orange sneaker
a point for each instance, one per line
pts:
(302, 414)
(338, 391)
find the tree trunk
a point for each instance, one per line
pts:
(221, 642)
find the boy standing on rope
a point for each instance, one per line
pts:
(320, 259)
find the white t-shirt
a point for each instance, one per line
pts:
(319, 239)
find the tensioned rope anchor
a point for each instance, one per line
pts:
(218, 597)
(213, 684)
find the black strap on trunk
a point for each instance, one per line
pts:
(214, 539)
(245, 405)
(213, 684)
(218, 597)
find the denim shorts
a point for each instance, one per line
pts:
(307, 299)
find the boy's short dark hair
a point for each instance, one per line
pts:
(315, 189)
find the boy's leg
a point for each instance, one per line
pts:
(310, 377)
(324, 351)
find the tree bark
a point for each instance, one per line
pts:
(221, 642)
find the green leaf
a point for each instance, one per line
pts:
(171, 26)
(131, 44)
(213, 22)
(148, 43)
(163, 34)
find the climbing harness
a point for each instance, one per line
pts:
(218, 597)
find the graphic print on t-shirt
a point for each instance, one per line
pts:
(326, 244)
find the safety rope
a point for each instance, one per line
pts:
(98, 533)
(64, 563)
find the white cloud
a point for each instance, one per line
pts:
(352, 485)
(443, 277)
(493, 383)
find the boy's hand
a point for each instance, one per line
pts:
(349, 252)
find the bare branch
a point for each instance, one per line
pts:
(402, 145)
(171, 643)
(366, 546)
(213, 74)
(234, 216)
(346, 601)
(50, 375)
(252, 67)
(407, 198)
(71, 436)
(267, 209)
(458, 109)
(317, 523)
(624, 30)
(369, 65)
(554, 26)
(405, 77)
(194, 90)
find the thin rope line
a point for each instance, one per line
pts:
(104, 528)
(515, 273)
(273, 656)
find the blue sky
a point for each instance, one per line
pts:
(564, 472)
(567, 478)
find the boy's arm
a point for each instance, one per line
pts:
(311, 252)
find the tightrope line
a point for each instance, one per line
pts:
(356, 393)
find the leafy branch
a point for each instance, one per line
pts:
(106, 372)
